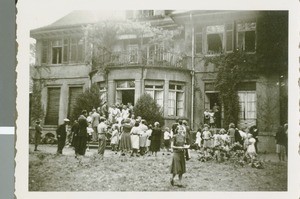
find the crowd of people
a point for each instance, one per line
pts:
(132, 136)
(128, 135)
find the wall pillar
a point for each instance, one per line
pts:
(111, 91)
(166, 97)
(63, 103)
(138, 90)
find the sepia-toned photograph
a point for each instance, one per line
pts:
(149, 100)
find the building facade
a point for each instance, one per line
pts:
(177, 78)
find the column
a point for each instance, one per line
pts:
(166, 97)
(111, 91)
(138, 90)
(63, 102)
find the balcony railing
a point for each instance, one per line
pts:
(144, 58)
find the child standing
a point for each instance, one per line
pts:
(251, 152)
(114, 138)
(198, 138)
(167, 139)
(90, 132)
(216, 139)
(206, 135)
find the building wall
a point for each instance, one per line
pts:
(268, 104)
(64, 85)
(267, 89)
(139, 74)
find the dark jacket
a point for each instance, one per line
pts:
(61, 131)
(83, 124)
(281, 137)
(237, 137)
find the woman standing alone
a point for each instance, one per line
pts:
(178, 161)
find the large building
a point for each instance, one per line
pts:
(176, 76)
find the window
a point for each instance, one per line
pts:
(215, 39)
(247, 101)
(63, 51)
(146, 13)
(56, 52)
(155, 89)
(52, 106)
(133, 53)
(246, 36)
(156, 53)
(103, 91)
(125, 91)
(176, 100)
(229, 37)
(76, 49)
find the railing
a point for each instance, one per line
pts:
(145, 58)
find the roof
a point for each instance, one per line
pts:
(76, 18)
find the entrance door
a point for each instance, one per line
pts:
(213, 100)
(128, 97)
(215, 106)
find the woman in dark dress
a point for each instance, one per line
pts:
(155, 139)
(125, 141)
(178, 161)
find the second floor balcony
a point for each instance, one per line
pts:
(134, 57)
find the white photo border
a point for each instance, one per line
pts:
(24, 9)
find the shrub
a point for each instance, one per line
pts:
(86, 101)
(148, 109)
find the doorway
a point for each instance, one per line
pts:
(125, 96)
(214, 104)
(128, 97)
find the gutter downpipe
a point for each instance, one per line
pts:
(193, 70)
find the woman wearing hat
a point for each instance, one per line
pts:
(125, 142)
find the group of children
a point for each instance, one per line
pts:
(210, 139)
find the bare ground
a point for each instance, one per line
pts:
(51, 172)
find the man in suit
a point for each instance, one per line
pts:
(37, 135)
(61, 134)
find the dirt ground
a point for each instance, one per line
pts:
(51, 172)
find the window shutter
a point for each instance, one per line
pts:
(45, 47)
(198, 43)
(52, 106)
(74, 92)
(66, 51)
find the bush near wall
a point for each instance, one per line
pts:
(148, 109)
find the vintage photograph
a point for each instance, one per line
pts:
(152, 100)
(159, 100)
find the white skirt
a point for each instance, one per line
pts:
(135, 141)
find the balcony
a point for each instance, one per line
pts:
(143, 58)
